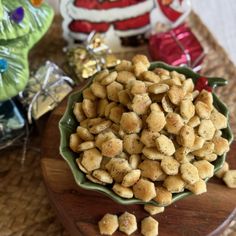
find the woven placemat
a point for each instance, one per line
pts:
(24, 205)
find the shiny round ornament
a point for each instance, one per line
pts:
(17, 15)
(202, 83)
(3, 65)
(36, 3)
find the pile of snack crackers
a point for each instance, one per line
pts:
(147, 134)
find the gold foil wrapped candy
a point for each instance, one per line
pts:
(91, 57)
(83, 62)
(110, 61)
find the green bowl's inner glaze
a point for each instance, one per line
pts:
(68, 124)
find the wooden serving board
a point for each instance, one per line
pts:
(80, 210)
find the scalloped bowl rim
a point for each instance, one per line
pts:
(66, 123)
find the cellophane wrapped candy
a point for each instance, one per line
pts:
(177, 47)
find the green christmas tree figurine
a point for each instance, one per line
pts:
(22, 24)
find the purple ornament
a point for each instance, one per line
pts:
(17, 15)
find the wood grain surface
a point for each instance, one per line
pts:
(80, 210)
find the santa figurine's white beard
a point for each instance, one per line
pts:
(180, 6)
(176, 5)
(157, 16)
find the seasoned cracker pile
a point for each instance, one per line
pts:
(147, 134)
(127, 224)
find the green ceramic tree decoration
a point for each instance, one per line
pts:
(21, 26)
(1, 10)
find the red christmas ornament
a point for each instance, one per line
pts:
(208, 88)
(202, 83)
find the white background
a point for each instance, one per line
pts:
(220, 18)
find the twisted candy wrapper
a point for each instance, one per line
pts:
(45, 90)
(90, 57)
(177, 47)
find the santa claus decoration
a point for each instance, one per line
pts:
(124, 23)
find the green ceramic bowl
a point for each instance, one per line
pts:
(68, 125)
